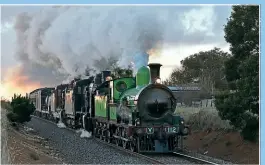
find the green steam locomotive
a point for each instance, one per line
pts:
(136, 113)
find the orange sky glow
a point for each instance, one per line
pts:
(15, 82)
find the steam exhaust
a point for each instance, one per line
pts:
(60, 123)
(83, 131)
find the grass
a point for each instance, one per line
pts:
(203, 118)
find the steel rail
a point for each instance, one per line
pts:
(194, 159)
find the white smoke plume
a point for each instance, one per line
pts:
(84, 133)
(68, 40)
(60, 124)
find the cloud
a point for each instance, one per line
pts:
(8, 12)
(53, 42)
(8, 40)
(199, 21)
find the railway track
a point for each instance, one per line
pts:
(151, 159)
(193, 159)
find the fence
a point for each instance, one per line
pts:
(199, 104)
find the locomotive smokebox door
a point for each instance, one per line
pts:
(155, 71)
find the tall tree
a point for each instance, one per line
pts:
(205, 68)
(240, 105)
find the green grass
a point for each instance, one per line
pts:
(204, 118)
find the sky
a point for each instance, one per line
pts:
(45, 45)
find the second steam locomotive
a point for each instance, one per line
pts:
(136, 113)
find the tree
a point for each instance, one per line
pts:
(118, 72)
(205, 68)
(21, 109)
(240, 104)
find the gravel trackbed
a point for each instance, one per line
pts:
(75, 150)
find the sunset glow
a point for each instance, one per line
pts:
(15, 82)
(154, 52)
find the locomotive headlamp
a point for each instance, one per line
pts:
(137, 122)
(158, 81)
(181, 120)
(135, 102)
(109, 78)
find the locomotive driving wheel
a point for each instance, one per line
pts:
(95, 132)
(107, 138)
(101, 134)
(124, 144)
(132, 145)
(117, 142)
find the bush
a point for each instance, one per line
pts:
(251, 131)
(203, 118)
(12, 117)
(21, 109)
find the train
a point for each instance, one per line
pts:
(136, 113)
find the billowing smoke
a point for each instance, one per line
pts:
(70, 41)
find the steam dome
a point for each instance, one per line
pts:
(143, 76)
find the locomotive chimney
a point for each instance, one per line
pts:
(154, 71)
(105, 74)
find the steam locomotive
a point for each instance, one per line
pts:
(136, 113)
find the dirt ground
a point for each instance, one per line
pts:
(224, 145)
(26, 148)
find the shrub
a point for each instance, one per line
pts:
(203, 118)
(21, 109)
(12, 117)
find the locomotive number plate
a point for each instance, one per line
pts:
(150, 130)
(171, 129)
